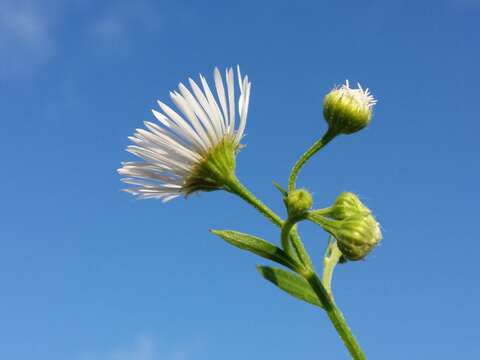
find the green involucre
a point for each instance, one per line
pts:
(298, 202)
(347, 204)
(216, 169)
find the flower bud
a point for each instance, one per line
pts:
(348, 110)
(298, 202)
(346, 205)
(357, 236)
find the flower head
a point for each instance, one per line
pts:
(298, 202)
(356, 235)
(193, 149)
(348, 110)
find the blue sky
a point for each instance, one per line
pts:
(89, 273)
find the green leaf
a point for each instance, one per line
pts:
(257, 246)
(280, 188)
(290, 283)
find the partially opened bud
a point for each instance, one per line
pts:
(357, 236)
(346, 205)
(348, 110)
(298, 202)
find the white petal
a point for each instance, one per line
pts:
(200, 113)
(244, 109)
(231, 99)
(221, 96)
(214, 112)
(183, 126)
(206, 107)
(187, 110)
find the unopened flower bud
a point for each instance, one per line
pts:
(357, 236)
(348, 110)
(346, 205)
(298, 202)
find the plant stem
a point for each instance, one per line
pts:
(329, 135)
(236, 187)
(336, 317)
(285, 235)
(332, 256)
(289, 236)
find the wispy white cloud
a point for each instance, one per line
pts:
(146, 347)
(32, 32)
(119, 23)
(23, 24)
(25, 35)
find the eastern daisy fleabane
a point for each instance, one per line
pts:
(194, 148)
(348, 110)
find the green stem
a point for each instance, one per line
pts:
(332, 256)
(289, 236)
(329, 135)
(236, 187)
(336, 317)
(285, 235)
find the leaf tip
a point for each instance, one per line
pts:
(280, 188)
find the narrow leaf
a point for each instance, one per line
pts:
(290, 283)
(257, 246)
(280, 188)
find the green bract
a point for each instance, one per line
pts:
(347, 204)
(215, 169)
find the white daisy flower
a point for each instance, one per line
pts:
(192, 149)
(348, 110)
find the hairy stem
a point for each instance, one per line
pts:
(329, 135)
(332, 256)
(285, 235)
(236, 187)
(336, 317)
(289, 236)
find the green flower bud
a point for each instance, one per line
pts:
(348, 110)
(351, 223)
(298, 202)
(357, 236)
(346, 205)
